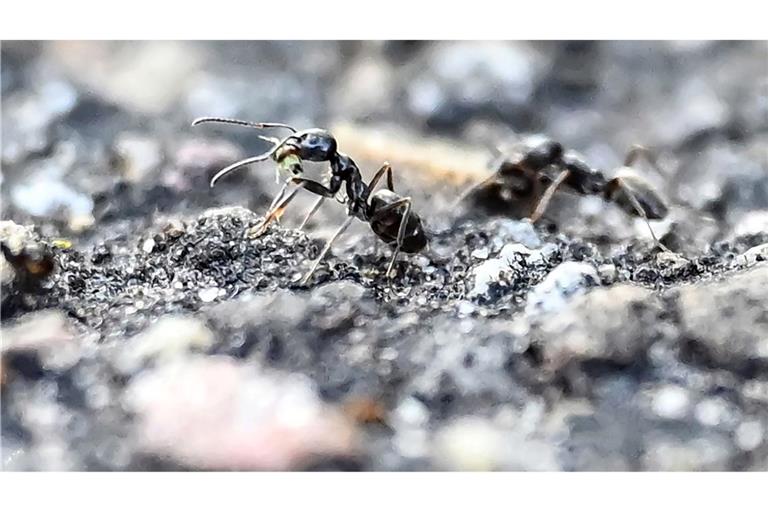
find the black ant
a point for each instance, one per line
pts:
(529, 179)
(389, 214)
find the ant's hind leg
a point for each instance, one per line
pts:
(325, 250)
(543, 203)
(401, 230)
(376, 177)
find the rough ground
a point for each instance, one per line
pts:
(167, 339)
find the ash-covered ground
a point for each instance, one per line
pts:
(166, 338)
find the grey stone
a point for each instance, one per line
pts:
(728, 319)
(615, 324)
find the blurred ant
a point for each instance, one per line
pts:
(31, 264)
(388, 213)
(529, 180)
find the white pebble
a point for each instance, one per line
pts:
(208, 294)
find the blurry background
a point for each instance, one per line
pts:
(99, 131)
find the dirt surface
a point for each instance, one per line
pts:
(167, 338)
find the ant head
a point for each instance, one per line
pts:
(316, 145)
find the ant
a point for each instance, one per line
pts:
(530, 178)
(389, 214)
(31, 264)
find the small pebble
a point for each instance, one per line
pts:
(208, 294)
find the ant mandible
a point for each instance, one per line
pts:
(389, 214)
(532, 176)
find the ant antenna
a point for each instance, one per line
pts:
(240, 122)
(250, 160)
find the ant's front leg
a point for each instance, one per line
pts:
(541, 207)
(277, 211)
(274, 214)
(279, 196)
(318, 188)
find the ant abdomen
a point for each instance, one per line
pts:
(385, 222)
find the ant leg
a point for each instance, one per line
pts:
(325, 250)
(274, 214)
(401, 230)
(315, 187)
(311, 212)
(376, 177)
(279, 196)
(640, 211)
(464, 195)
(277, 199)
(541, 207)
(277, 211)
